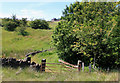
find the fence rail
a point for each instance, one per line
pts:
(67, 63)
(13, 62)
(62, 63)
(67, 66)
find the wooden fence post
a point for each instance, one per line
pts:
(43, 64)
(82, 66)
(79, 65)
(90, 67)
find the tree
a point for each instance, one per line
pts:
(10, 24)
(84, 34)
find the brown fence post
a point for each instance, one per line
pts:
(79, 65)
(43, 64)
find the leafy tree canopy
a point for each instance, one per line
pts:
(89, 32)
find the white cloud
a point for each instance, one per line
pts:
(31, 13)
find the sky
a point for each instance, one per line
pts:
(33, 10)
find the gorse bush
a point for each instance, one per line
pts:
(39, 24)
(89, 32)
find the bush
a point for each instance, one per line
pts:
(39, 24)
(23, 22)
(21, 31)
(10, 25)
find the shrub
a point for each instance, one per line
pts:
(23, 22)
(39, 24)
(10, 25)
(21, 31)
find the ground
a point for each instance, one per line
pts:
(14, 45)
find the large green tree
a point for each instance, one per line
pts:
(89, 32)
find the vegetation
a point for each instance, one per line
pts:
(21, 31)
(23, 22)
(39, 24)
(28, 74)
(10, 24)
(17, 46)
(89, 32)
(14, 24)
(93, 39)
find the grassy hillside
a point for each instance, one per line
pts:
(15, 45)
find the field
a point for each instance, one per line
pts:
(18, 46)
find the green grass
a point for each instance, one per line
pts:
(49, 56)
(28, 74)
(17, 45)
